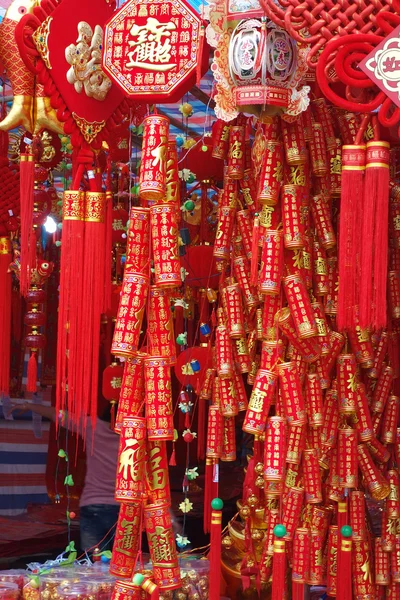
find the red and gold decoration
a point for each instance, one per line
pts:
(260, 261)
(153, 55)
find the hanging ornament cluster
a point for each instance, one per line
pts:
(145, 415)
(323, 408)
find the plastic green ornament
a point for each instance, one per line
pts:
(280, 531)
(346, 531)
(217, 504)
(181, 339)
(189, 205)
(191, 178)
(204, 148)
(138, 579)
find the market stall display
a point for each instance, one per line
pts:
(236, 290)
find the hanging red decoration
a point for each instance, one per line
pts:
(154, 56)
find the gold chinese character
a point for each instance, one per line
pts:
(150, 51)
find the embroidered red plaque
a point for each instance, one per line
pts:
(152, 49)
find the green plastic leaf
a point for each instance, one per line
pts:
(71, 558)
(107, 553)
(70, 547)
(69, 480)
(62, 454)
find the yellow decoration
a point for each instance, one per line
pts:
(186, 109)
(186, 506)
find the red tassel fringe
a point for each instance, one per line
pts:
(297, 591)
(279, 571)
(90, 316)
(344, 581)
(28, 238)
(172, 460)
(201, 424)
(208, 480)
(374, 257)
(215, 555)
(31, 385)
(71, 273)
(108, 253)
(349, 247)
(5, 315)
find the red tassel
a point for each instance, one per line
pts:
(201, 427)
(353, 160)
(214, 556)
(71, 273)
(172, 460)
(374, 236)
(208, 480)
(108, 253)
(200, 56)
(32, 373)
(92, 304)
(279, 565)
(254, 251)
(344, 582)
(28, 238)
(112, 414)
(5, 314)
(297, 590)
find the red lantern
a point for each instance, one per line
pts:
(112, 382)
(119, 221)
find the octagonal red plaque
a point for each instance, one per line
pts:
(152, 49)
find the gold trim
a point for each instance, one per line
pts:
(26, 158)
(73, 205)
(346, 545)
(384, 144)
(41, 38)
(354, 147)
(95, 204)
(88, 130)
(353, 168)
(385, 165)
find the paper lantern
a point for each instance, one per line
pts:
(112, 381)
